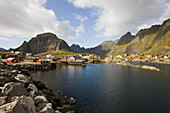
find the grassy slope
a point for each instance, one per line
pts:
(154, 43)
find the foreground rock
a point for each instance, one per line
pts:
(19, 93)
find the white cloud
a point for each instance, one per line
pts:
(165, 15)
(5, 39)
(80, 29)
(26, 18)
(81, 18)
(116, 17)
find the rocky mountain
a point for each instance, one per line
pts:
(2, 49)
(43, 43)
(125, 39)
(100, 50)
(154, 40)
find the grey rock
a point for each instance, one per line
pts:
(21, 78)
(57, 111)
(12, 89)
(70, 112)
(2, 100)
(47, 109)
(41, 105)
(23, 104)
(72, 100)
(14, 72)
(32, 94)
(39, 99)
(28, 104)
(33, 89)
(4, 80)
(12, 107)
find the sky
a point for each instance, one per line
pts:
(84, 22)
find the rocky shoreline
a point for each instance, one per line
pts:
(124, 63)
(32, 66)
(19, 93)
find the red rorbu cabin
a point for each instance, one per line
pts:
(148, 59)
(30, 60)
(75, 60)
(12, 60)
(64, 59)
(54, 59)
(43, 61)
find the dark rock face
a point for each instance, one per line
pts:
(43, 43)
(128, 37)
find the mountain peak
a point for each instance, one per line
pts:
(128, 37)
(43, 43)
(47, 34)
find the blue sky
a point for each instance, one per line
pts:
(84, 22)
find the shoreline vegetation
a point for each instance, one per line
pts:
(19, 93)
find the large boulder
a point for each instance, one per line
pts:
(28, 104)
(32, 90)
(21, 78)
(14, 72)
(39, 85)
(12, 107)
(47, 108)
(39, 99)
(4, 80)
(72, 100)
(2, 100)
(12, 89)
(23, 104)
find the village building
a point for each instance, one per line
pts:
(54, 59)
(12, 60)
(43, 61)
(48, 56)
(86, 57)
(118, 56)
(30, 60)
(75, 59)
(28, 54)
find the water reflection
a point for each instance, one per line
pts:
(108, 88)
(38, 74)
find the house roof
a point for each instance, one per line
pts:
(29, 58)
(44, 59)
(10, 58)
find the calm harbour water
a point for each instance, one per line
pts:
(110, 88)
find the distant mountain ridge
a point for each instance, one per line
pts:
(43, 43)
(154, 40)
(2, 49)
(100, 50)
